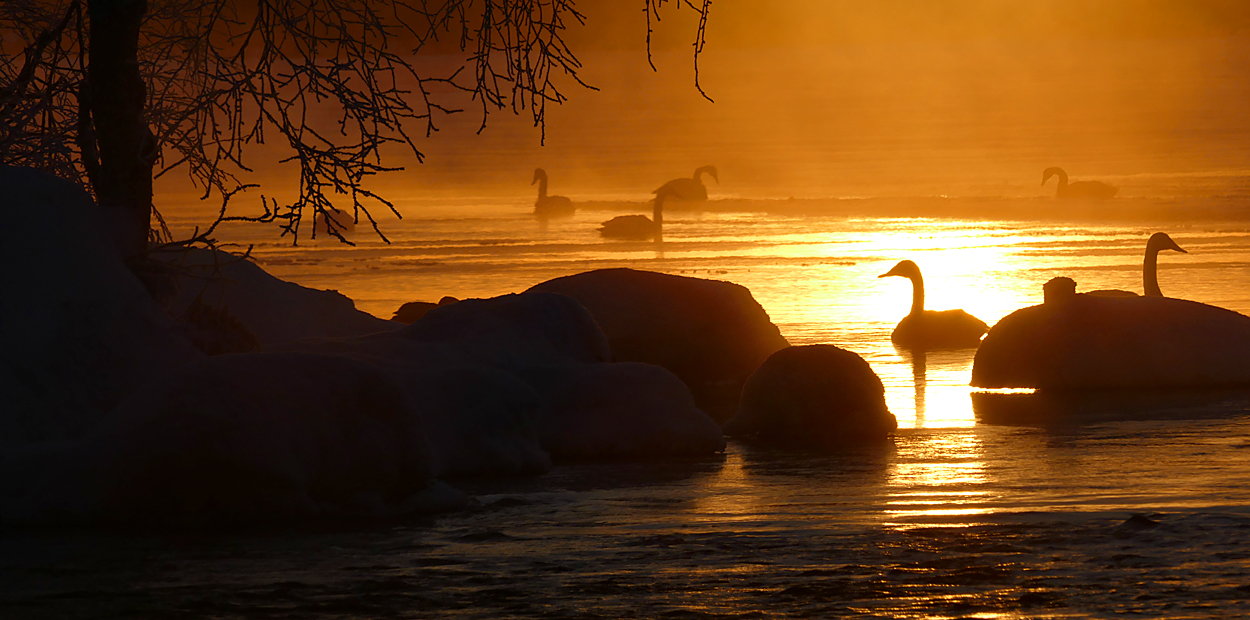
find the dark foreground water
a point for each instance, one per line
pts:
(1137, 518)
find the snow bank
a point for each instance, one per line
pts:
(711, 334)
(273, 310)
(817, 395)
(80, 332)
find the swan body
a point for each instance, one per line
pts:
(691, 188)
(639, 227)
(1088, 342)
(549, 206)
(1078, 189)
(343, 222)
(929, 329)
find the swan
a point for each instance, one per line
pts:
(1078, 189)
(689, 188)
(639, 226)
(930, 329)
(549, 206)
(1150, 268)
(343, 221)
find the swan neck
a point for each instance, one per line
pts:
(917, 294)
(657, 212)
(542, 187)
(1150, 273)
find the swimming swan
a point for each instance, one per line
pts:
(638, 226)
(549, 206)
(691, 188)
(1150, 268)
(930, 329)
(1078, 189)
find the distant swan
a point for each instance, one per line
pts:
(549, 206)
(691, 188)
(930, 329)
(1078, 189)
(343, 222)
(638, 226)
(1150, 268)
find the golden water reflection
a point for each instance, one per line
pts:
(936, 478)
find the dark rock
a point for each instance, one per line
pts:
(412, 311)
(625, 410)
(274, 311)
(816, 395)
(711, 334)
(1098, 342)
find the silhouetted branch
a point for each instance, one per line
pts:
(334, 84)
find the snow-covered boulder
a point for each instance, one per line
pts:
(274, 311)
(624, 410)
(818, 396)
(80, 331)
(262, 437)
(514, 330)
(1082, 341)
(711, 334)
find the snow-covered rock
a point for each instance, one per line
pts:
(816, 395)
(624, 410)
(274, 311)
(1080, 341)
(711, 334)
(262, 437)
(80, 331)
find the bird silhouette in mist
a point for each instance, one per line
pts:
(931, 329)
(689, 188)
(639, 226)
(343, 222)
(1078, 189)
(1150, 268)
(549, 206)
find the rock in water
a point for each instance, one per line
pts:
(1081, 341)
(817, 396)
(625, 410)
(711, 334)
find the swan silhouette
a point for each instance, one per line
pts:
(689, 188)
(1150, 268)
(931, 329)
(343, 221)
(1078, 189)
(639, 226)
(549, 206)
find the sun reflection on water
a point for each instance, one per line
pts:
(936, 479)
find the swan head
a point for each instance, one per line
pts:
(904, 269)
(1052, 171)
(1161, 241)
(711, 170)
(539, 175)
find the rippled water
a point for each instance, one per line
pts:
(954, 519)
